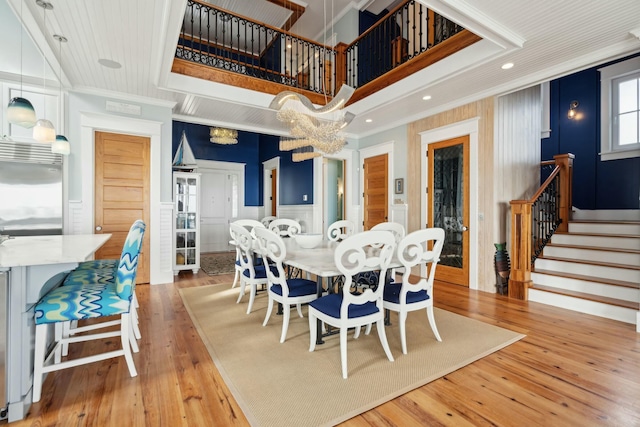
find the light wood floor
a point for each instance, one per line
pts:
(570, 370)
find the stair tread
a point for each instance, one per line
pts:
(613, 282)
(599, 263)
(589, 297)
(604, 221)
(595, 248)
(631, 236)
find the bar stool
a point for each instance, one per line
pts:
(89, 301)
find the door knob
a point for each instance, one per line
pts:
(98, 228)
(465, 228)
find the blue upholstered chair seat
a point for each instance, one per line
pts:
(330, 305)
(98, 264)
(297, 287)
(392, 294)
(67, 303)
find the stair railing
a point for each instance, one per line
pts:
(534, 221)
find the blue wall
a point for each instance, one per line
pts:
(614, 184)
(296, 179)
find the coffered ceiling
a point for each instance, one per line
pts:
(544, 39)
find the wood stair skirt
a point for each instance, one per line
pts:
(594, 268)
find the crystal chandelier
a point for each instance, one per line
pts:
(320, 128)
(223, 136)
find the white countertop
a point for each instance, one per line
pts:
(39, 250)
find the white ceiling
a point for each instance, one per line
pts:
(545, 39)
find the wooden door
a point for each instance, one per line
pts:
(122, 193)
(219, 193)
(448, 206)
(274, 191)
(375, 195)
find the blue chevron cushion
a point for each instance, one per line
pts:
(66, 303)
(98, 264)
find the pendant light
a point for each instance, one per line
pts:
(61, 144)
(44, 131)
(20, 111)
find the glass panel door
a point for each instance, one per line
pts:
(449, 206)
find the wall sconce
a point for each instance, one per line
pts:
(572, 110)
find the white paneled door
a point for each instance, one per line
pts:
(219, 192)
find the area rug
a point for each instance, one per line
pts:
(214, 263)
(286, 385)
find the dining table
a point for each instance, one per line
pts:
(319, 261)
(31, 266)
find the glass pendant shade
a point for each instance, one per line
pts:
(20, 112)
(44, 131)
(61, 145)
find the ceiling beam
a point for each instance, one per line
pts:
(296, 12)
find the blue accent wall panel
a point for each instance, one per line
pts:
(296, 178)
(614, 184)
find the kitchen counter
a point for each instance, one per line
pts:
(40, 250)
(34, 264)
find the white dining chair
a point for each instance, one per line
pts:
(249, 224)
(340, 230)
(287, 292)
(285, 227)
(252, 275)
(398, 232)
(348, 308)
(422, 247)
(267, 220)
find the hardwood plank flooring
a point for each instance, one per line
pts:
(572, 369)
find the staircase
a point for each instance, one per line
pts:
(594, 268)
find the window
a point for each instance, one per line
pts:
(620, 110)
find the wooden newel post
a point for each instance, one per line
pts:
(520, 277)
(565, 161)
(341, 65)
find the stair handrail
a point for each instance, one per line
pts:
(534, 221)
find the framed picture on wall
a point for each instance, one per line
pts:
(399, 185)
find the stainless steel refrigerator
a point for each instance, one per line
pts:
(30, 189)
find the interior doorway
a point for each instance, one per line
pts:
(333, 171)
(222, 201)
(121, 193)
(270, 185)
(448, 205)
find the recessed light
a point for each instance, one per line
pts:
(109, 63)
(368, 120)
(507, 65)
(426, 97)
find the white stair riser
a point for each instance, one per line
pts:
(593, 288)
(604, 228)
(592, 255)
(621, 314)
(606, 215)
(596, 241)
(603, 272)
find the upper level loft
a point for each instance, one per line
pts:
(225, 47)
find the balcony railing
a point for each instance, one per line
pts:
(404, 33)
(229, 42)
(232, 43)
